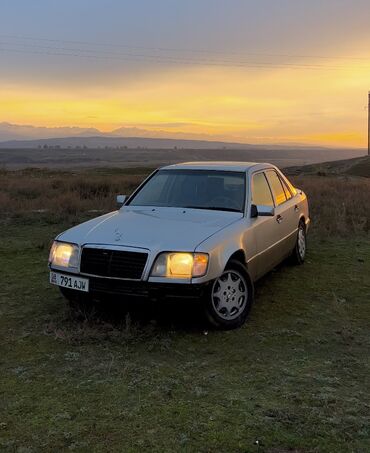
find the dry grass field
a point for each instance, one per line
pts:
(154, 377)
(338, 203)
(65, 158)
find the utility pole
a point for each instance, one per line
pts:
(368, 126)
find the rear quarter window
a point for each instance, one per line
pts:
(276, 187)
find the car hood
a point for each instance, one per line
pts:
(152, 228)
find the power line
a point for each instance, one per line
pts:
(160, 57)
(171, 49)
(93, 54)
(164, 57)
(161, 60)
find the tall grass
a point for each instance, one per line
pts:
(338, 205)
(61, 195)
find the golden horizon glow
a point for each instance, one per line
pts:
(318, 107)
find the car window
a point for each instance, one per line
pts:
(157, 188)
(196, 189)
(276, 187)
(289, 184)
(286, 189)
(261, 193)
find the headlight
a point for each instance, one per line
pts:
(180, 265)
(63, 254)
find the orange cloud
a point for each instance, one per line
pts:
(323, 106)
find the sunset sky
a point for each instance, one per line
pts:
(266, 71)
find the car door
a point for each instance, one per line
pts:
(264, 228)
(294, 209)
(285, 214)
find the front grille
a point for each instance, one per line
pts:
(101, 287)
(113, 263)
(118, 287)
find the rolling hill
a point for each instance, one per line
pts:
(359, 166)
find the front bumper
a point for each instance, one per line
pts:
(100, 287)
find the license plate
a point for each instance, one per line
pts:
(68, 281)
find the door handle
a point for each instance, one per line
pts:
(279, 219)
(296, 208)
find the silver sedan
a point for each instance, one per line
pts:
(205, 230)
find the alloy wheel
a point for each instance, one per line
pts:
(229, 295)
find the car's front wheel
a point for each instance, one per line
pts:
(229, 298)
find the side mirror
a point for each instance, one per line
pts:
(261, 210)
(266, 211)
(121, 200)
(254, 211)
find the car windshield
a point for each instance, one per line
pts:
(196, 189)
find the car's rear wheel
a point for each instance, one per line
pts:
(300, 249)
(229, 298)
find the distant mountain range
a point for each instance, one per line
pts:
(25, 136)
(10, 132)
(66, 147)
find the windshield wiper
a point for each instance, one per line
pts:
(214, 208)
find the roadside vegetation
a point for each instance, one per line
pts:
(153, 377)
(338, 202)
(60, 195)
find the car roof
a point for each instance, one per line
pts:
(217, 165)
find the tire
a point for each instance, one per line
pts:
(229, 298)
(299, 252)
